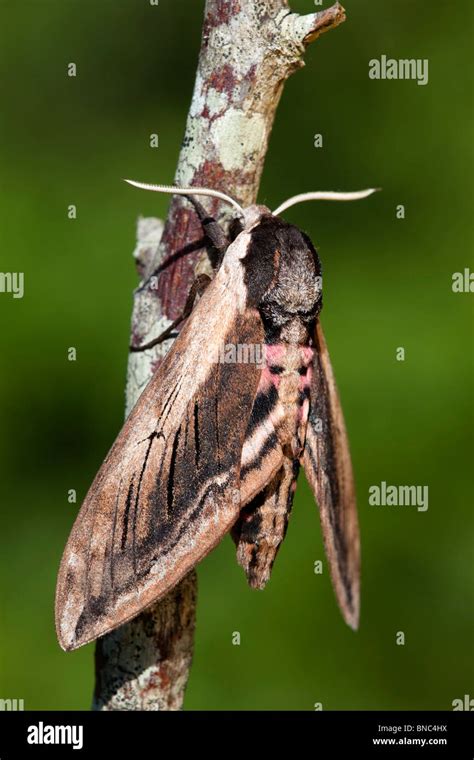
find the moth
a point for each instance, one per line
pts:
(214, 444)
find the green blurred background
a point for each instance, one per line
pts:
(387, 284)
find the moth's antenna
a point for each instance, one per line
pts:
(325, 196)
(187, 191)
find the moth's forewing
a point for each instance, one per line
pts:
(169, 489)
(328, 467)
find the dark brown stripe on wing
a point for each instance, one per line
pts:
(264, 403)
(126, 514)
(270, 444)
(171, 474)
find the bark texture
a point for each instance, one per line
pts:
(248, 50)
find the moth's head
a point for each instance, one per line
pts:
(283, 274)
(282, 269)
(253, 216)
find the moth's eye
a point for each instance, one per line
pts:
(235, 228)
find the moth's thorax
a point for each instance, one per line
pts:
(282, 274)
(295, 332)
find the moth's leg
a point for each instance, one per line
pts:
(198, 287)
(213, 231)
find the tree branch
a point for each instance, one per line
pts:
(248, 50)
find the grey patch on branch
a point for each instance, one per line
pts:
(147, 317)
(147, 252)
(144, 665)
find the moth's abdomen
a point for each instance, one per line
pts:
(278, 422)
(262, 525)
(288, 369)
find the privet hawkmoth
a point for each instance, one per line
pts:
(215, 442)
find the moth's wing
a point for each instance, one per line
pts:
(169, 488)
(328, 468)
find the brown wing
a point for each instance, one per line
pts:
(327, 464)
(168, 490)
